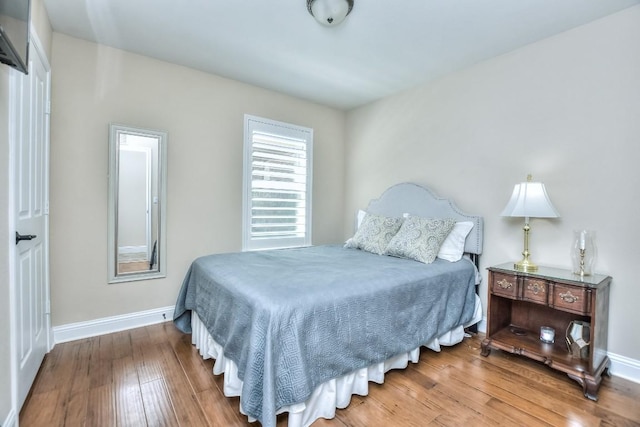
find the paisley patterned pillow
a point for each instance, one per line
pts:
(375, 233)
(420, 238)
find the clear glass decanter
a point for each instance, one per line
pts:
(583, 252)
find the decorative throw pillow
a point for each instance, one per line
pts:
(420, 238)
(375, 233)
(453, 246)
(360, 217)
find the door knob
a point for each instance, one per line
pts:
(24, 237)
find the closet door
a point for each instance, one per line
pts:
(30, 100)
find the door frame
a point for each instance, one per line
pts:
(14, 78)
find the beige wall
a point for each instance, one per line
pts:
(565, 109)
(41, 26)
(94, 85)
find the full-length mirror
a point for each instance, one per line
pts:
(137, 202)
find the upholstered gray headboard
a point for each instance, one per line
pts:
(420, 201)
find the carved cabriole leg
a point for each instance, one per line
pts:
(591, 384)
(591, 388)
(485, 347)
(580, 380)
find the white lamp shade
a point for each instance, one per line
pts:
(330, 12)
(530, 199)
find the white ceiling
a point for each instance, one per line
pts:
(383, 47)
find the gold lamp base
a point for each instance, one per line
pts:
(525, 265)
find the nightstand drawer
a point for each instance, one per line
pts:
(536, 290)
(505, 285)
(573, 299)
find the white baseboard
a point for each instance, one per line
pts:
(11, 420)
(107, 325)
(621, 366)
(625, 367)
(132, 249)
(133, 254)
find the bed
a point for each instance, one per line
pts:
(301, 330)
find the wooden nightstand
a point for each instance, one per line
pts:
(520, 303)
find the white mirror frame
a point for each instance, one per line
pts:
(114, 131)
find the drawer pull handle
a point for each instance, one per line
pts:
(504, 284)
(535, 287)
(568, 297)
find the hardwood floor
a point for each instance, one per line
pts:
(154, 376)
(129, 267)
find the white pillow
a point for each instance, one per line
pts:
(360, 217)
(453, 246)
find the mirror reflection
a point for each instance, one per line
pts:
(137, 191)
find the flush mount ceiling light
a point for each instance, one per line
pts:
(329, 12)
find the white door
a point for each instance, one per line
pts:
(31, 274)
(134, 200)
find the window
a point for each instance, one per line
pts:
(277, 184)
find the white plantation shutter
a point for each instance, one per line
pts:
(277, 184)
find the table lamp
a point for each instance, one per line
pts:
(529, 200)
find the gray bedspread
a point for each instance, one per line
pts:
(292, 319)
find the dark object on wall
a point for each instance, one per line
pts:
(154, 254)
(14, 33)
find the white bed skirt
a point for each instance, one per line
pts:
(328, 396)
